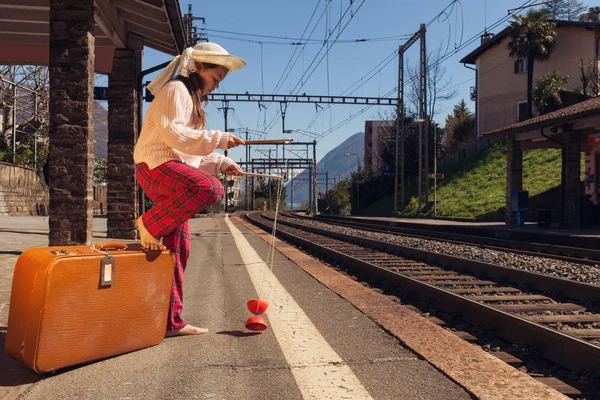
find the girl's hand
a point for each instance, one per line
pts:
(234, 141)
(235, 170)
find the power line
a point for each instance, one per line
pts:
(296, 87)
(300, 41)
(477, 36)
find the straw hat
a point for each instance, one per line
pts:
(212, 53)
(185, 63)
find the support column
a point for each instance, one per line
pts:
(572, 182)
(71, 134)
(514, 175)
(122, 194)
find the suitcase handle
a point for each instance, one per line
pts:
(110, 246)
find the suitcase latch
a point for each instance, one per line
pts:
(107, 271)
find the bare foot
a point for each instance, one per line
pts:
(186, 330)
(148, 241)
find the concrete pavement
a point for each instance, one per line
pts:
(229, 362)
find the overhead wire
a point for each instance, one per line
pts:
(449, 7)
(297, 87)
(468, 42)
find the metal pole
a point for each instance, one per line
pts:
(315, 186)
(326, 182)
(14, 124)
(225, 178)
(253, 188)
(422, 111)
(292, 194)
(399, 116)
(425, 113)
(310, 183)
(35, 111)
(225, 109)
(357, 184)
(247, 198)
(403, 137)
(434, 170)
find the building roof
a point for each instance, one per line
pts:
(584, 109)
(471, 58)
(25, 29)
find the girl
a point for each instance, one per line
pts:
(175, 161)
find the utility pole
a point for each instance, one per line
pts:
(314, 193)
(191, 32)
(269, 181)
(311, 199)
(247, 206)
(434, 170)
(400, 131)
(225, 109)
(425, 111)
(423, 128)
(14, 124)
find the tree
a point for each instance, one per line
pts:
(30, 107)
(589, 76)
(565, 9)
(532, 38)
(337, 200)
(593, 15)
(439, 86)
(546, 94)
(100, 170)
(460, 127)
(268, 191)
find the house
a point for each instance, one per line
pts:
(501, 81)
(377, 133)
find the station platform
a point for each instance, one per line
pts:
(329, 337)
(589, 238)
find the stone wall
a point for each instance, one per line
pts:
(21, 192)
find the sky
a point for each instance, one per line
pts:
(344, 67)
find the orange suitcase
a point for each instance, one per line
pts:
(74, 304)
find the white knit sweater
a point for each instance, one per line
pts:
(168, 134)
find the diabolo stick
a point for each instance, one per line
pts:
(269, 141)
(263, 175)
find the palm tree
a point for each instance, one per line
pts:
(593, 15)
(532, 39)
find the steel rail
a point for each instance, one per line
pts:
(558, 347)
(564, 253)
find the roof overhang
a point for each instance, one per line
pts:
(495, 40)
(25, 29)
(583, 117)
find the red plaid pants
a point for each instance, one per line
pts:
(178, 192)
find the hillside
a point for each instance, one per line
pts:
(476, 186)
(335, 163)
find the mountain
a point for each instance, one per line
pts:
(335, 163)
(100, 130)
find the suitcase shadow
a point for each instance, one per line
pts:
(237, 333)
(12, 372)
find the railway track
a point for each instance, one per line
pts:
(555, 316)
(581, 255)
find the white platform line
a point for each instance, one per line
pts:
(319, 371)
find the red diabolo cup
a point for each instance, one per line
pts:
(256, 323)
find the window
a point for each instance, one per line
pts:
(521, 111)
(520, 66)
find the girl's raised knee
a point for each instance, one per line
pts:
(208, 191)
